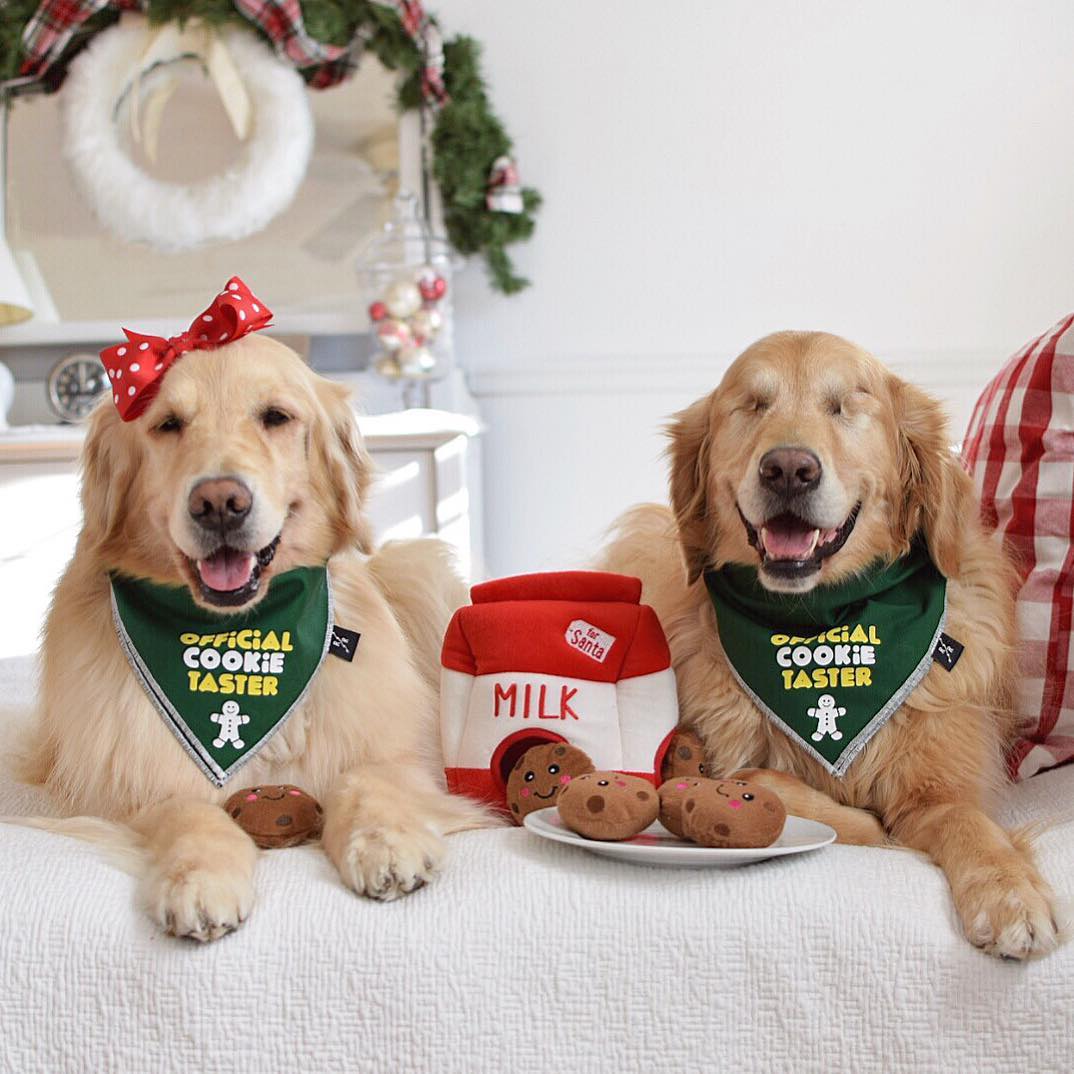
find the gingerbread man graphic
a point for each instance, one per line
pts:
(230, 720)
(826, 713)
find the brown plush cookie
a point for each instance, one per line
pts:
(685, 756)
(732, 813)
(608, 805)
(276, 815)
(540, 774)
(672, 792)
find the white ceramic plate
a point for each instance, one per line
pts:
(657, 846)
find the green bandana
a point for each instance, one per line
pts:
(225, 684)
(831, 666)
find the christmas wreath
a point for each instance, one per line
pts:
(324, 40)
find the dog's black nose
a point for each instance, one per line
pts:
(220, 503)
(789, 471)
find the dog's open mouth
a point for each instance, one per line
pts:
(790, 547)
(230, 577)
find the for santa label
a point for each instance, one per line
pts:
(225, 684)
(590, 640)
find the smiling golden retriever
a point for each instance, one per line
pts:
(810, 462)
(245, 465)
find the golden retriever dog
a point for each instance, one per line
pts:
(246, 465)
(809, 462)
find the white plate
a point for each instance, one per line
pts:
(657, 846)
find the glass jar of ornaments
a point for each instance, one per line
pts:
(407, 274)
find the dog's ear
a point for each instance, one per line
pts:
(110, 461)
(936, 494)
(346, 468)
(689, 453)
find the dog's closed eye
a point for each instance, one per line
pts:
(272, 417)
(171, 424)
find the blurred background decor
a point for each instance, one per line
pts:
(324, 40)
(407, 270)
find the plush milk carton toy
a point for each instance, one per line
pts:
(562, 657)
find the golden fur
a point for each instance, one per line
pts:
(360, 739)
(928, 778)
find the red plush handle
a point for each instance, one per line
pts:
(560, 585)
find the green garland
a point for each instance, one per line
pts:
(466, 136)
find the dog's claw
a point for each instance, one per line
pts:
(198, 904)
(385, 864)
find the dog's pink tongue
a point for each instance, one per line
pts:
(787, 537)
(227, 569)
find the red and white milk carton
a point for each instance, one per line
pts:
(570, 656)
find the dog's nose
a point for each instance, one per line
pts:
(790, 470)
(220, 503)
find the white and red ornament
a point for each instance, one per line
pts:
(407, 318)
(504, 191)
(394, 335)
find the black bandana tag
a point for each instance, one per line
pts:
(947, 652)
(344, 643)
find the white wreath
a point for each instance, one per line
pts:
(173, 216)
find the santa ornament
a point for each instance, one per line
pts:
(569, 658)
(504, 188)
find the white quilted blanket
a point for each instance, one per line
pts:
(528, 957)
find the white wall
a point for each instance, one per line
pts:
(898, 173)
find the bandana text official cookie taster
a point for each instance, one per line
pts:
(225, 684)
(831, 666)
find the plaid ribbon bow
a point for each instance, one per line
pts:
(136, 368)
(51, 28)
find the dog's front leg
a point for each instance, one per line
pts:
(1006, 907)
(383, 829)
(199, 876)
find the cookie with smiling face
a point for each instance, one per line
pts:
(540, 774)
(731, 813)
(276, 815)
(685, 756)
(608, 805)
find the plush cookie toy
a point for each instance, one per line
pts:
(685, 756)
(725, 812)
(672, 793)
(540, 774)
(276, 815)
(712, 812)
(608, 805)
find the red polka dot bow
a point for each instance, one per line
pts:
(135, 368)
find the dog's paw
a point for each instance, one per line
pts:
(386, 863)
(198, 903)
(1018, 920)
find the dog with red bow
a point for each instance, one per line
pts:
(222, 625)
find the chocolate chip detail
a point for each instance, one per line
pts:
(284, 820)
(595, 804)
(643, 795)
(722, 829)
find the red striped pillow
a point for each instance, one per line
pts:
(1019, 448)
